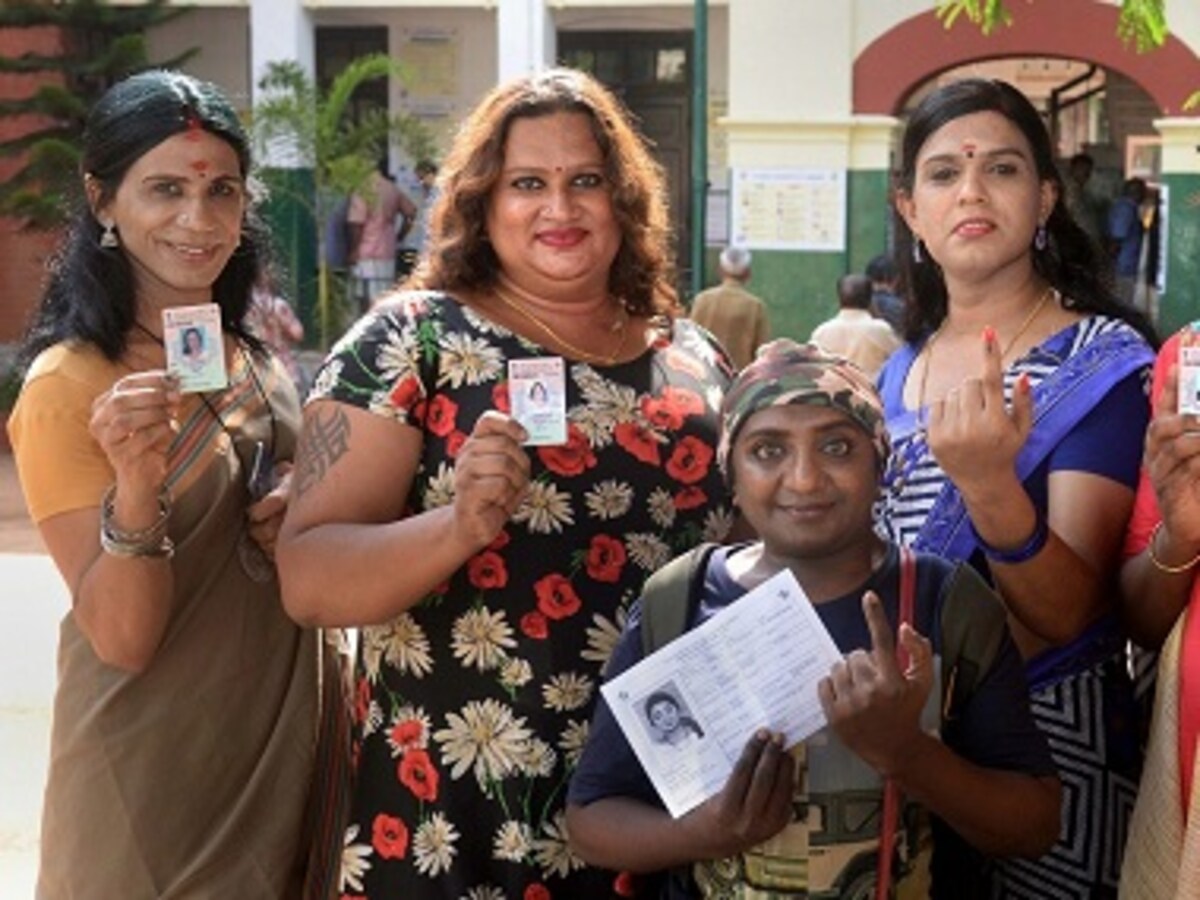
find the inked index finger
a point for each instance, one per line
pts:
(883, 641)
(992, 367)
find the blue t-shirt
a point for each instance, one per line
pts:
(991, 727)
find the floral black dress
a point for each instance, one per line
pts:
(474, 706)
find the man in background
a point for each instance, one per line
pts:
(736, 317)
(1125, 232)
(886, 304)
(854, 333)
(413, 233)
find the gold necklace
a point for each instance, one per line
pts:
(618, 326)
(927, 350)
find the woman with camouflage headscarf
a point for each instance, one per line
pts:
(803, 446)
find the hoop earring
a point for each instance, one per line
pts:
(918, 256)
(108, 238)
(1039, 238)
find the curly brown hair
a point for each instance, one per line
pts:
(460, 256)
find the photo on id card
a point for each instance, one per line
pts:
(1189, 370)
(195, 347)
(537, 396)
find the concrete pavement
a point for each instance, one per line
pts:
(32, 602)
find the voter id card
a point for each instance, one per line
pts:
(1189, 369)
(537, 396)
(195, 347)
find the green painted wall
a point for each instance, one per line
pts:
(800, 289)
(1180, 303)
(289, 213)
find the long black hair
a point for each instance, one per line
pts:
(89, 294)
(1071, 261)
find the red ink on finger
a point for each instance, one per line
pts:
(989, 335)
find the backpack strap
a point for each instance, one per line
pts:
(670, 596)
(891, 790)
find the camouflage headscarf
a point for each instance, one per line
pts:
(785, 372)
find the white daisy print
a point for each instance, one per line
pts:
(545, 509)
(356, 861)
(609, 499)
(515, 673)
(480, 638)
(484, 892)
(486, 736)
(572, 739)
(566, 691)
(402, 642)
(396, 358)
(648, 551)
(537, 759)
(717, 524)
(513, 841)
(602, 637)
(661, 504)
(328, 377)
(433, 845)
(440, 489)
(552, 852)
(466, 359)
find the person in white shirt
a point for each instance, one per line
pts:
(854, 333)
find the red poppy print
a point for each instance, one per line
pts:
(500, 541)
(572, 458)
(556, 597)
(389, 837)
(639, 441)
(669, 410)
(418, 775)
(487, 571)
(406, 393)
(534, 625)
(440, 418)
(690, 497)
(454, 443)
(536, 892)
(407, 734)
(624, 885)
(690, 461)
(500, 398)
(362, 700)
(605, 558)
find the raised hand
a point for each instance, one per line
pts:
(754, 805)
(134, 423)
(873, 706)
(490, 477)
(1172, 461)
(972, 433)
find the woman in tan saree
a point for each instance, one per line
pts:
(183, 743)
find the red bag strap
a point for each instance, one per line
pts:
(891, 791)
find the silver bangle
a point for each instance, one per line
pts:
(149, 542)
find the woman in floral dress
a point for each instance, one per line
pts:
(491, 577)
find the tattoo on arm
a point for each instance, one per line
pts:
(323, 441)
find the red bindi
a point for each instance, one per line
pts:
(969, 149)
(200, 167)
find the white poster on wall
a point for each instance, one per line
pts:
(789, 209)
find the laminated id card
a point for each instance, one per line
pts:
(195, 347)
(1189, 370)
(537, 395)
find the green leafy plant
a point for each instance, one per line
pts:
(317, 127)
(1142, 23)
(101, 45)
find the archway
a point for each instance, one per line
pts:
(921, 47)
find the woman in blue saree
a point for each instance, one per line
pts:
(1017, 408)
